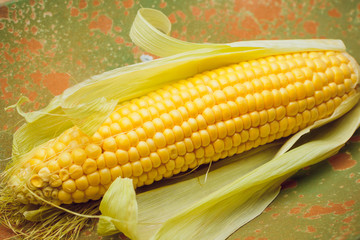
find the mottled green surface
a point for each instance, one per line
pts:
(47, 46)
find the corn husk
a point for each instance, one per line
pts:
(213, 203)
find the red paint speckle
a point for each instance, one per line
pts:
(250, 238)
(4, 12)
(342, 161)
(181, 15)
(103, 23)
(82, 4)
(33, 45)
(310, 229)
(96, 3)
(316, 211)
(295, 210)
(172, 18)
(275, 215)
(268, 209)
(84, 16)
(348, 219)
(117, 28)
(196, 11)
(128, 3)
(3, 85)
(34, 30)
(119, 40)
(94, 14)
(262, 10)
(36, 77)
(334, 13)
(19, 76)
(209, 13)
(56, 82)
(74, 12)
(251, 25)
(349, 203)
(15, 50)
(311, 27)
(9, 58)
(162, 4)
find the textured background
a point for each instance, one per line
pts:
(47, 46)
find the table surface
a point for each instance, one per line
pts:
(47, 46)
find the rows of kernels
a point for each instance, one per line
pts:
(205, 118)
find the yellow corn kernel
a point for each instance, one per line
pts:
(55, 181)
(146, 164)
(78, 155)
(75, 171)
(219, 145)
(53, 166)
(133, 154)
(169, 136)
(64, 174)
(160, 140)
(100, 161)
(64, 196)
(149, 128)
(178, 133)
(141, 134)
(181, 148)
(163, 154)
(122, 141)
(36, 181)
(155, 160)
(82, 183)
(126, 170)
(105, 176)
(221, 128)
(121, 155)
(69, 186)
(201, 122)
(133, 138)
(93, 151)
(209, 116)
(92, 191)
(110, 159)
(109, 144)
(78, 196)
(93, 178)
(65, 160)
(137, 168)
(89, 166)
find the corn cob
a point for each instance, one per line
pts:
(205, 118)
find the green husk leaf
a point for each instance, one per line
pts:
(122, 199)
(239, 190)
(151, 27)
